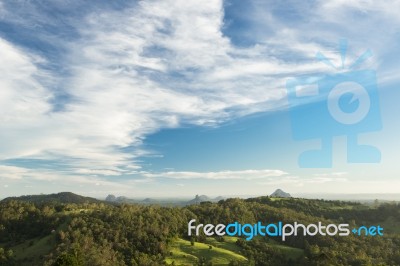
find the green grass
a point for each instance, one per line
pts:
(183, 253)
(31, 250)
(289, 252)
(228, 244)
(278, 199)
(39, 247)
(346, 207)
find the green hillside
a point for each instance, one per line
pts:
(62, 197)
(51, 232)
(182, 252)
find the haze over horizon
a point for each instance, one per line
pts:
(362, 197)
(164, 98)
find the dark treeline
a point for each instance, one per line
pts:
(103, 234)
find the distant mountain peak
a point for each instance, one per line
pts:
(111, 197)
(199, 198)
(147, 200)
(202, 198)
(279, 193)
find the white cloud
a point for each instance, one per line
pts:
(106, 172)
(22, 174)
(122, 82)
(301, 181)
(11, 172)
(220, 175)
(370, 7)
(333, 174)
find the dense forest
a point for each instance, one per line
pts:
(80, 231)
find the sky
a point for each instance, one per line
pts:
(175, 98)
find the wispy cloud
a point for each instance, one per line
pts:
(131, 73)
(220, 175)
(333, 174)
(14, 174)
(301, 181)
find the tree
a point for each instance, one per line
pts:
(67, 259)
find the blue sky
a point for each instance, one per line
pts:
(176, 98)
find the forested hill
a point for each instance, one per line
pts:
(56, 232)
(62, 197)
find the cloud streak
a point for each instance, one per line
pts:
(220, 175)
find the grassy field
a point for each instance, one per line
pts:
(229, 243)
(34, 247)
(289, 252)
(278, 199)
(183, 253)
(31, 250)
